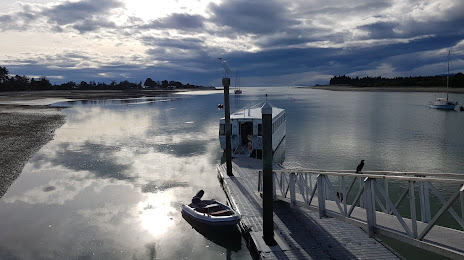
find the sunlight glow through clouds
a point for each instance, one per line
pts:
(149, 10)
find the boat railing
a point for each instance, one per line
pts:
(241, 151)
(380, 200)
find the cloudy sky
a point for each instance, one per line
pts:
(270, 42)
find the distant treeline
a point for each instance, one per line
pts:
(455, 81)
(23, 83)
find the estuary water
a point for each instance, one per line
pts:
(110, 185)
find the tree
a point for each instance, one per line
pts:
(149, 83)
(3, 74)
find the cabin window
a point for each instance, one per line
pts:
(260, 129)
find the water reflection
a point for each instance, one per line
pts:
(111, 184)
(157, 213)
(228, 236)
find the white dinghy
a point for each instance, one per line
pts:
(210, 212)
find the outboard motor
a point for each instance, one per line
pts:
(200, 194)
(197, 198)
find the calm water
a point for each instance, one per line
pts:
(111, 183)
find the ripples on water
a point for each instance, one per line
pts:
(111, 183)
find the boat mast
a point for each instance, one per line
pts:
(447, 75)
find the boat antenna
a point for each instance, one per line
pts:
(226, 66)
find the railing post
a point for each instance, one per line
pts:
(370, 205)
(292, 189)
(361, 201)
(259, 180)
(461, 194)
(387, 206)
(412, 206)
(343, 196)
(306, 187)
(424, 202)
(321, 195)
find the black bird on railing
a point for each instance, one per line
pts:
(360, 166)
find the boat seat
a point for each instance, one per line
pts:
(221, 212)
(211, 206)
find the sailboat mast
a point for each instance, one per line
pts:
(447, 75)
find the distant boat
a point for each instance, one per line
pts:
(237, 89)
(444, 103)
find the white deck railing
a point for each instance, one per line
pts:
(340, 193)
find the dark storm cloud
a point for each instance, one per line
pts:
(183, 22)
(380, 30)
(258, 17)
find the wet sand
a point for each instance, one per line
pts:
(386, 89)
(27, 122)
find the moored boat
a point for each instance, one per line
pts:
(246, 136)
(210, 212)
(444, 103)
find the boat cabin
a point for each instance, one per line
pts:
(246, 136)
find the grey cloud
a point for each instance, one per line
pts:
(71, 12)
(184, 43)
(257, 17)
(381, 30)
(84, 16)
(92, 25)
(177, 21)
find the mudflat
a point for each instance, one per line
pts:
(27, 122)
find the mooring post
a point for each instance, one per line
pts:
(226, 84)
(268, 194)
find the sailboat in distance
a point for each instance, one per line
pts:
(444, 103)
(237, 84)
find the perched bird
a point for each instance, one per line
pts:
(360, 166)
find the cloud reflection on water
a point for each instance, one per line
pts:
(111, 183)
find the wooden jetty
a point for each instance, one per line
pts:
(300, 232)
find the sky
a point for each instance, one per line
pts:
(269, 42)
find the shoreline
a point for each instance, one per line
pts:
(386, 89)
(23, 131)
(12, 96)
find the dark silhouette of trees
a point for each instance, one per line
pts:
(149, 83)
(23, 83)
(4, 74)
(455, 81)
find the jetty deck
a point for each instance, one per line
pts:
(299, 232)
